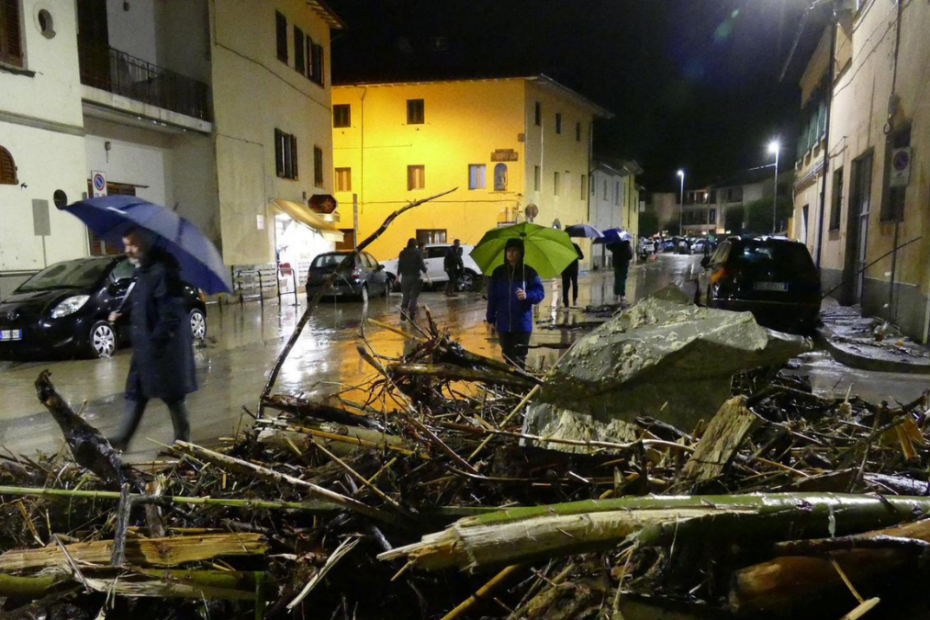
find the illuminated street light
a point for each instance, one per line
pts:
(681, 205)
(775, 147)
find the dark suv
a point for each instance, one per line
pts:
(773, 278)
(63, 310)
(363, 278)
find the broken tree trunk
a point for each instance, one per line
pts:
(139, 551)
(525, 534)
(789, 580)
(318, 411)
(90, 448)
(266, 392)
(720, 442)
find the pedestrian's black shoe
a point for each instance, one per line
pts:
(403, 317)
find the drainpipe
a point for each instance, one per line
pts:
(826, 151)
(892, 311)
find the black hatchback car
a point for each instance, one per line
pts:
(62, 310)
(365, 278)
(773, 278)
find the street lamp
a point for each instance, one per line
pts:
(681, 204)
(775, 147)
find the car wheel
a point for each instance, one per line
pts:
(388, 285)
(467, 281)
(198, 324)
(364, 294)
(391, 283)
(102, 341)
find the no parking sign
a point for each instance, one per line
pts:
(99, 182)
(900, 167)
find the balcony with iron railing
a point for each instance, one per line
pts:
(121, 74)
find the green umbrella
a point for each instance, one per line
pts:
(547, 250)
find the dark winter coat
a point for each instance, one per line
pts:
(410, 264)
(505, 311)
(622, 254)
(572, 269)
(162, 344)
(452, 260)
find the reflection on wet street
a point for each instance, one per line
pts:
(244, 341)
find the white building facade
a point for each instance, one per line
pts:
(185, 103)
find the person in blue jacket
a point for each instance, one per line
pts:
(513, 290)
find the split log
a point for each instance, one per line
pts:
(525, 534)
(788, 580)
(350, 438)
(726, 432)
(90, 448)
(451, 372)
(264, 473)
(139, 551)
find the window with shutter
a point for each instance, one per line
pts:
(415, 112)
(7, 168)
(285, 155)
(299, 57)
(281, 33)
(294, 173)
(342, 115)
(278, 154)
(318, 166)
(11, 42)
(318, 65)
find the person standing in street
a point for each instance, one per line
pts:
(163, 356)
(513, 290)
(570, 278)
(453, 264)
(411, 268)
(622, 252)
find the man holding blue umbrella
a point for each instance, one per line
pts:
(163, 357)
(166, 250)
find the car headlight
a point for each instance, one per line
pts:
(69, 306)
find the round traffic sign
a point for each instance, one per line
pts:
(901, 160)
(100, 183)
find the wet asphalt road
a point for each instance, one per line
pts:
(244, 341)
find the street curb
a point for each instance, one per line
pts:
(825, 336)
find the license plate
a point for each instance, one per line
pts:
(11, 334)
(770, 286)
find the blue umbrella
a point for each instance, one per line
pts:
(584, 230)
(111, 217)
(613, 235)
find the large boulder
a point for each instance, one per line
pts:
(662, 358)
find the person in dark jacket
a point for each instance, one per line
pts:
(453, 264)
(411, 268)
(513, 290)
(622, 252)
(570, 278)
(163, 356)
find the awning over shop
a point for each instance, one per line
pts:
(303, 214)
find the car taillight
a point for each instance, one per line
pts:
(719, 275)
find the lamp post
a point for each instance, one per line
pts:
(775, 147)
(681, 204)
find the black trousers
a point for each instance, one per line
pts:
(569, 278)
(453, 280)
(134, 411)
(515, 346)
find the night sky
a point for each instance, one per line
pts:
(693, 83)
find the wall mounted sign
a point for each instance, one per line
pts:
(505, 155)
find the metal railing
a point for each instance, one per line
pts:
(121, 74)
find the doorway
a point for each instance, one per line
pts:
(857, 230)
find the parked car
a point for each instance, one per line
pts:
(701, 246)
(775, 279)
(669, 245)
(63, 310)
(435, 255)
(366, 278)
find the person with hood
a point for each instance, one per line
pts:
(410, 267)
(162, 345)
(622, 252)
(513, 290)
(570, 278)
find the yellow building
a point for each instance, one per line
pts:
(864, 175)
(504, 143)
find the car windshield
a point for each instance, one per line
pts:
(70, 274)
(326, 260)
(789, 257)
